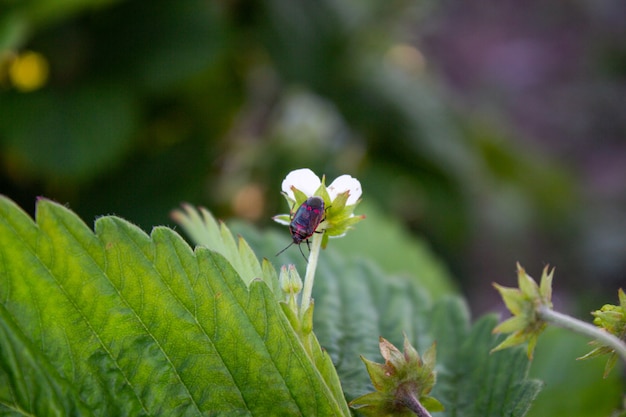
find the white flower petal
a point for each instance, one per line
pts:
(345, 183)
(303, 179)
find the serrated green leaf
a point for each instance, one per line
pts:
(204, 230)
(470, 381)
(118, 322)
(355, 302)
(475, 383)
(386, 242)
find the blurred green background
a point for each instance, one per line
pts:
(493, 132)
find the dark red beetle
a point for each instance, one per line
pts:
(304, 222)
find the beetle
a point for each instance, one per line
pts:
(304, 222)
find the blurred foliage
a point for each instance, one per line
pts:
(496, 135)
(555, 364)
(258, 88)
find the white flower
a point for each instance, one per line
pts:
(340, 200)
(345, 183)
(306, 181)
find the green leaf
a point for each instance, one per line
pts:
(118, 322)
(385, 241)
(473, 382)
(25, 374)
(355, 302)
(360, 303)
(205, 230)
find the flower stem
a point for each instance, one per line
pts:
(579, 326)
(413, 404)
(309, 277)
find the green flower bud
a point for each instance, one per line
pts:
(402, 383)
(524, 302)
(290, 284)
(611, 318)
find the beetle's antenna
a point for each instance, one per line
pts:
(287, 247)
(299, 247)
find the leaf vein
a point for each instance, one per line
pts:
(144, 325)
(85, 318)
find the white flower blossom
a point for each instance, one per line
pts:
(306, 181)
(340, 199)
(345, 183)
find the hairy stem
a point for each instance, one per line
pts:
(412, 403)
(579, 326)
(309, 277)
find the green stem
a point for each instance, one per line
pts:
(584, 328)
(309, 277)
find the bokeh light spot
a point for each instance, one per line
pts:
(29, 71)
